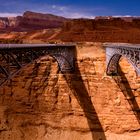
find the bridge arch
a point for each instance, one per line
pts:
(15, 56)
(114, 51)
(113, 65)
(63, 63)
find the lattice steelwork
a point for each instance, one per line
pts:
(15, 56)
(114, 51)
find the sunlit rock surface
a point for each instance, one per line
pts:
(41, 103)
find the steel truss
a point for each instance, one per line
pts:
(114, 51)
(15, 56)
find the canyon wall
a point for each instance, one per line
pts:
(34, 27)
(35, 21)
(41, 103)
(30, 21)
(101, 30)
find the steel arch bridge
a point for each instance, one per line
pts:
(114, 51)
(15, 56)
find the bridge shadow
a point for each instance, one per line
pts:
(125, 88)
(43, 80)
(77, 86)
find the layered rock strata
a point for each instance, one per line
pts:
(41, 103)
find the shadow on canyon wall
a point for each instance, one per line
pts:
(43, 81)
(125, 87)
(76, 84)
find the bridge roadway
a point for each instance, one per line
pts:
(114, 51)
(15, 56)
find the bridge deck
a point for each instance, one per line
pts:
(119, 45)
(12, 46)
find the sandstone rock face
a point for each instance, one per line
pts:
(31, 26)
(12, 21)
(101, 30)
(7, 23)
(3, 22)
(41, 103)
(31, 21)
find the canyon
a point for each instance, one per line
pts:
(36, 27)
(41, 103)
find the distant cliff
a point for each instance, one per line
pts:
(51, 28)
(101, 30)
(31, 21)
(7, 23)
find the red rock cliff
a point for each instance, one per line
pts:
(31, 21)
(101, 30)
(40, 103)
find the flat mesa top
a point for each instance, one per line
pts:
(6, 46)
(118, 45)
